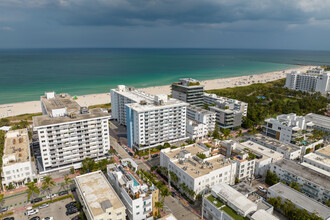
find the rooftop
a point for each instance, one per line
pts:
(17, 147)
(319, 120)
(187, 82)
(301, 171)
(186, 159)
(318, 159)
(244, 188)
(262, 214)
(230, 195)
(72, 111)
(98, 193)
(274, 142)
(311, 205)
(262, 150)
(199, 110)
(324, 151)
(317, 169)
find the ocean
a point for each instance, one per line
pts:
(27, 73)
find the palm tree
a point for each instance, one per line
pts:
(32, 190)
(48, 184)
(159, 205)
(67, 182)
(164, 191)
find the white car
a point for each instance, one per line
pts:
(45, 205)
(262, 189)
(48, 218)
(32, 212)
(51, 196)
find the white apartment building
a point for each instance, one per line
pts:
(199, 122)
(285, 127)
(319, 122)
(317, 162)
(198, 174)
(138, 197)
(16, 161)
(99, 200)
(314, 184)
(324, 151)
(289, 151)
(316, 80)
(223, 102)
(264, 156)
(69, 133)
(300, 200)
(155, 122)
(123, 95)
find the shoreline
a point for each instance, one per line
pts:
(14, 109)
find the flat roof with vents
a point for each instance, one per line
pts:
(17, 147)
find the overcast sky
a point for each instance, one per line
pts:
(278, 24)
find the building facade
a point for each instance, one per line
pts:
(227, 118)
(188, 90)
(155, 122)
(138, 197)
(69, 133)
(314, 184)
(99, 200)
(16, 161)
(196, 173)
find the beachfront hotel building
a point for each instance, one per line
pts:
(17, 166)
(138, 197)
(196, 173)
(315, 80)
(199, 122)
(188, 90)
(69, 133)
(99, 200)
(300, 200)
(313, 183)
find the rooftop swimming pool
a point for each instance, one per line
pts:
(135, 182)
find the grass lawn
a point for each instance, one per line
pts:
(215, 201)
(233, 214)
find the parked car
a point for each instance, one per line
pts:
(63, 193)
(45, 205)
(131, 154)
(48, 218)
(76, 218)
(154, 155)
(32, 212)
(51, 196)
(71, 204)
(35, 218)
(4, 209)
(71, 211)
(36, 200)
(9, 218)
(173, 194)
(262, 189)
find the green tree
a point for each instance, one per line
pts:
(216, 132)
(32, 190)
(47, 185)
(67, 182)
(201, 155)
(88, 165)
(271, 178)
(295, 186)
(159, 205)
(226, 133)
(164, 192)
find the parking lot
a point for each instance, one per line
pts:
(56, 210)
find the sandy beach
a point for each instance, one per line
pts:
(13, 109)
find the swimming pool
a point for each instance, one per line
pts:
(135, 182)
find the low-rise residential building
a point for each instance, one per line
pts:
(289, 151)
(151, 123)
(313, 183)
(224, 102)
(319, 122)
(245, 165)
(196, 173)
(188, 90)
(262, 214)
(227, 118)
(202, 116)
(16, 161)
(138, 197)
(324, 151)
(69, 133)
(300, 200)
(99, 200)
(316, 80)
(225, 203)
(286, 127)
(264, 156)
(196, 130)
(317, 162)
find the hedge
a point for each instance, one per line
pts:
(6, 214)
(54, 200)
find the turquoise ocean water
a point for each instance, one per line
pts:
(26, 74)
